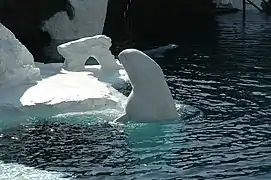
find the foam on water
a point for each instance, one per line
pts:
(12, 117)
(12, 171)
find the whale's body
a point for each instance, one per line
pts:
(150, 99)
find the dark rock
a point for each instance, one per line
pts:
(25, 19)
(128, 22)
(146, 23)
(171, 21)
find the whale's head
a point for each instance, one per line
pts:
(141, 69)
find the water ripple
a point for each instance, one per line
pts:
(230, 83)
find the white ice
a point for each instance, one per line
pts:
(89, 20)
(29, 89)
(77, 52)
(46, 90)
(13, 171)
(16, 62)
(62, 89)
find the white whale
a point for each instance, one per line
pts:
(54, 90)
(159, 51)
(150, 99)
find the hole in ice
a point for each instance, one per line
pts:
(91, 61)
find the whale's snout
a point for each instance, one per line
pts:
(126, 53)
(130, 54)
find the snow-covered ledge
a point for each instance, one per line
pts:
(16, 62)
(77, 52)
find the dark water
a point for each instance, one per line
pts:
(230, 82)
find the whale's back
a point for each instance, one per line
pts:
(150, 99)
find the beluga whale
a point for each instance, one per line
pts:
(150, 99)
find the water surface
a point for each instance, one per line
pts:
(229, 81)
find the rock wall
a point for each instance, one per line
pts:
(171, 20)
(88, 20)
(36, 22)
(25, 19)
(145, 23)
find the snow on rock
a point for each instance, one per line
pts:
(16, 62)
(89, 20)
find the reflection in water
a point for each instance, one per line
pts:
(229, 82)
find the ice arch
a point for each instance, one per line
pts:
(77, 52)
